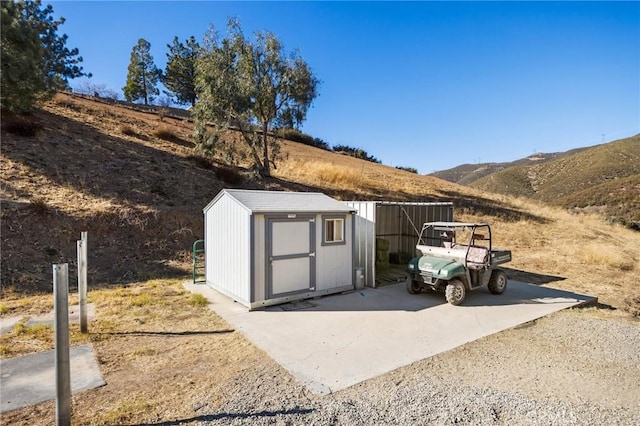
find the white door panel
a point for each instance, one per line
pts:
(291, 261)
(290, 238)
(291, 275)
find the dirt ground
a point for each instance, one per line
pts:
(168, 359)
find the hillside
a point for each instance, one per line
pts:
(604, 178)
(131, 180)
(468, 173)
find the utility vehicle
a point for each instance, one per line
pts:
(456, 257)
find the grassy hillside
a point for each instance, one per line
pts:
(132, 180)
(468, 173)
(603, 178)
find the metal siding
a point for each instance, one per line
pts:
(334, 262)
(227, 248)
(259, 258)
(365, 239)
(376, 219)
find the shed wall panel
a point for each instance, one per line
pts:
(228, 248)
(334, 263)
(364, 246)
(259, 258)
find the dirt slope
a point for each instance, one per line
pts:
(605, 178)
(130, 180)
(167, 359)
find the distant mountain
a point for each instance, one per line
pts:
(604, 178)
(468, 173)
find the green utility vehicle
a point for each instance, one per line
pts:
(456, 257)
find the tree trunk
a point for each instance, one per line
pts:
(266, 167)
(144, 85)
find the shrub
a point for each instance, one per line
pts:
(39, 206)
(198, 300)
(202, 162)
(166, 134)
(356, 152)
(407, 169)
(229, 174)
(127, 130)
(297, 136)
(21, 126)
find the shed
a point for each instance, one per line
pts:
(267, 247)
(397, 222)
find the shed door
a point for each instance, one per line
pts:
(291, 256)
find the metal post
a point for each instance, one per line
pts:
(82, 281)
(63, 373)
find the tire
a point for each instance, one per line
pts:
(498, 282)
(412, 286)
(455, 292)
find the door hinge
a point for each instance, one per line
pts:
(313, 254)
(312, 220)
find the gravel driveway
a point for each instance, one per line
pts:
(569, 368)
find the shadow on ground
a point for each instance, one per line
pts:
(223, 416)
(531, 277)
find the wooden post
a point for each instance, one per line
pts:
(82, 281)
(63, 372)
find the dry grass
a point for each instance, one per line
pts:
(150, 354)
(332, 175)
(157, 345)
(581, 253)
(605, 255)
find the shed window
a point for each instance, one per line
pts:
(334, 231)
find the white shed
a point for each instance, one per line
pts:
(266, 247)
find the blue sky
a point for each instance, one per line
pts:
(429, 85)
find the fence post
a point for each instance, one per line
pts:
(63, 373)
(82, 281)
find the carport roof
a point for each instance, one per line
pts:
(283, 202)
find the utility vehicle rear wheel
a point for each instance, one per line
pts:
(498, 282)
(455, 292)
(413, 287)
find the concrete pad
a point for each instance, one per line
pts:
(7, 324)
(341, 340)
(30, 379)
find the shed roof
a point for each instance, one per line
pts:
(283, 202)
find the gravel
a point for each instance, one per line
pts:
(569, 368)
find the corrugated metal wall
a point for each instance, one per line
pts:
(399, 223)
(227, 248)
(364, 245)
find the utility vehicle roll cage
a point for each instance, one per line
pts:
(451, 228)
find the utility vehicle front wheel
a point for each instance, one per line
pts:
(412, 286)
(497, 282)
(455, 292)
